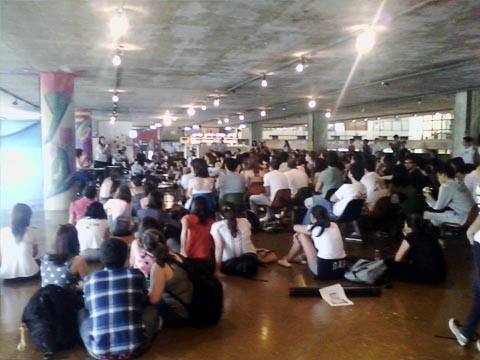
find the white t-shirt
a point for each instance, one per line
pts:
(297, 179)
(118, 207)
(345, 194)
(329, 245)
(234, 246)
(370, 182)
(91, 232)
(276, 180)
(17, 257)
(472, 181)
(106, 188)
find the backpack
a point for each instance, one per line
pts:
(51, 318)
(366, 271)
(207, 298)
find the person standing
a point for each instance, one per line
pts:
(469, 153)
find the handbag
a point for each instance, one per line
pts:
(366, 271)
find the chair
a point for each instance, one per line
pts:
(302, 194)
(329, 193)
(351, 213)
(457, 230)
(211, 200)
(238, 199)
(256, 188)
(281, 204)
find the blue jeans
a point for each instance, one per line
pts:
(318, 200)
(473, 318)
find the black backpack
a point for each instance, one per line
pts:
(51, 318)
(207, 299)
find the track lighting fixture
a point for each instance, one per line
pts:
(264, 82)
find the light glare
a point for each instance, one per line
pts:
(365, 41)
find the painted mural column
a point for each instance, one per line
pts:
(83, 132)
(58, 139)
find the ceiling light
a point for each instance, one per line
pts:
(196, 127)
(203, 107)
(284, 108)
(153, 127)
(226, 120)
(385, 83)
(263, 113)
(216, 102)
(300, 66)
(328, 114)
(378, 118)
(366, 119)
(119, 24)
(264, 82)
(112, 119)
(167, 118)
(419, 101)
(115, 98)
(353, 121)
(133, 134)
(241, 117)
(191, 111)
(158, 125)
(365, 41)
(187, 128)
(312, 103)
(117, 60)
(242, 126)
(219, 122)
(228, 128)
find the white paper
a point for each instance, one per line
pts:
(335, 295)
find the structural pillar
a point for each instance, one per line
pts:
(467, 118)
(256, 132)
(83, 132)
(317, 132)
(58, 139)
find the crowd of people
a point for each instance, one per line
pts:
(132, 295)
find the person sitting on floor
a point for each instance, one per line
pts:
(64, 268)
(119, 212)
(420, 257)
(340, 199)
(19, 246)
(454, 200)
(235, 253)
(79, 207)
(115, 323)
(322, 244)
(139, 257)
(93, 229)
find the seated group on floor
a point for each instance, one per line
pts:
(154, 281)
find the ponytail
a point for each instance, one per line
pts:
(321, 219)
(230, 213)
(154, 243)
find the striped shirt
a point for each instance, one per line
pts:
(115, 299)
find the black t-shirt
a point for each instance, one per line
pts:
(426, 254)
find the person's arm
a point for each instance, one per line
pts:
(444, 198)
(301, 229)
(402, 250)
(183, 236)
(188, 194)
(79, 265)
(218, 240)
(71, 216)
(157, 284)
(473, 229)
(134, 248)
(267, 191)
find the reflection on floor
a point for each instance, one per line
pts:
(261, 322)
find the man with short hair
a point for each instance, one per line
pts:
(469, 152)
(273, 181)
(377, 148)
(454, 200)
(415, 176)
(297, 179)
(79, 207)
(114, 323)
(231, 182)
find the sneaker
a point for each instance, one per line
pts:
(353, 237)
(454, 326)
(299, 260)
(284, 263)
(478, 344)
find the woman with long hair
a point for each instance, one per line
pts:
(202, 184)
(322, 244)
(65, 267)
(170, 286)
(253, 173)
(93, 229)
(119, 212)
(19, 246)
(139, 258)
(101, 153)
(195, 240)
(235, 253)
(110, 185)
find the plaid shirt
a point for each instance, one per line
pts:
(115, 299)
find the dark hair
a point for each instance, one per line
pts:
(320, 164)
(321, 218)
(100, 138)
(447, 170)
(357, 171)
(416, 222)
(231, 164)
(90, 192)
(155, 200)
(154, 242)
(332, 159)
(200, 168)
(292, 163)
(147, 223)
(66, 244)
(78, 152)
(116, 177)
(123, 193)
(458, 164)
(274, 164)
(20, 220)
(113, 253)
(200, 209)
(230, 212)
(370, 163)
(137, 180)
(468, 139)
(149, 187)
(96, 211)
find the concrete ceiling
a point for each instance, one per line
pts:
(185, 53)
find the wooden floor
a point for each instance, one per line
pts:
(262, 322)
